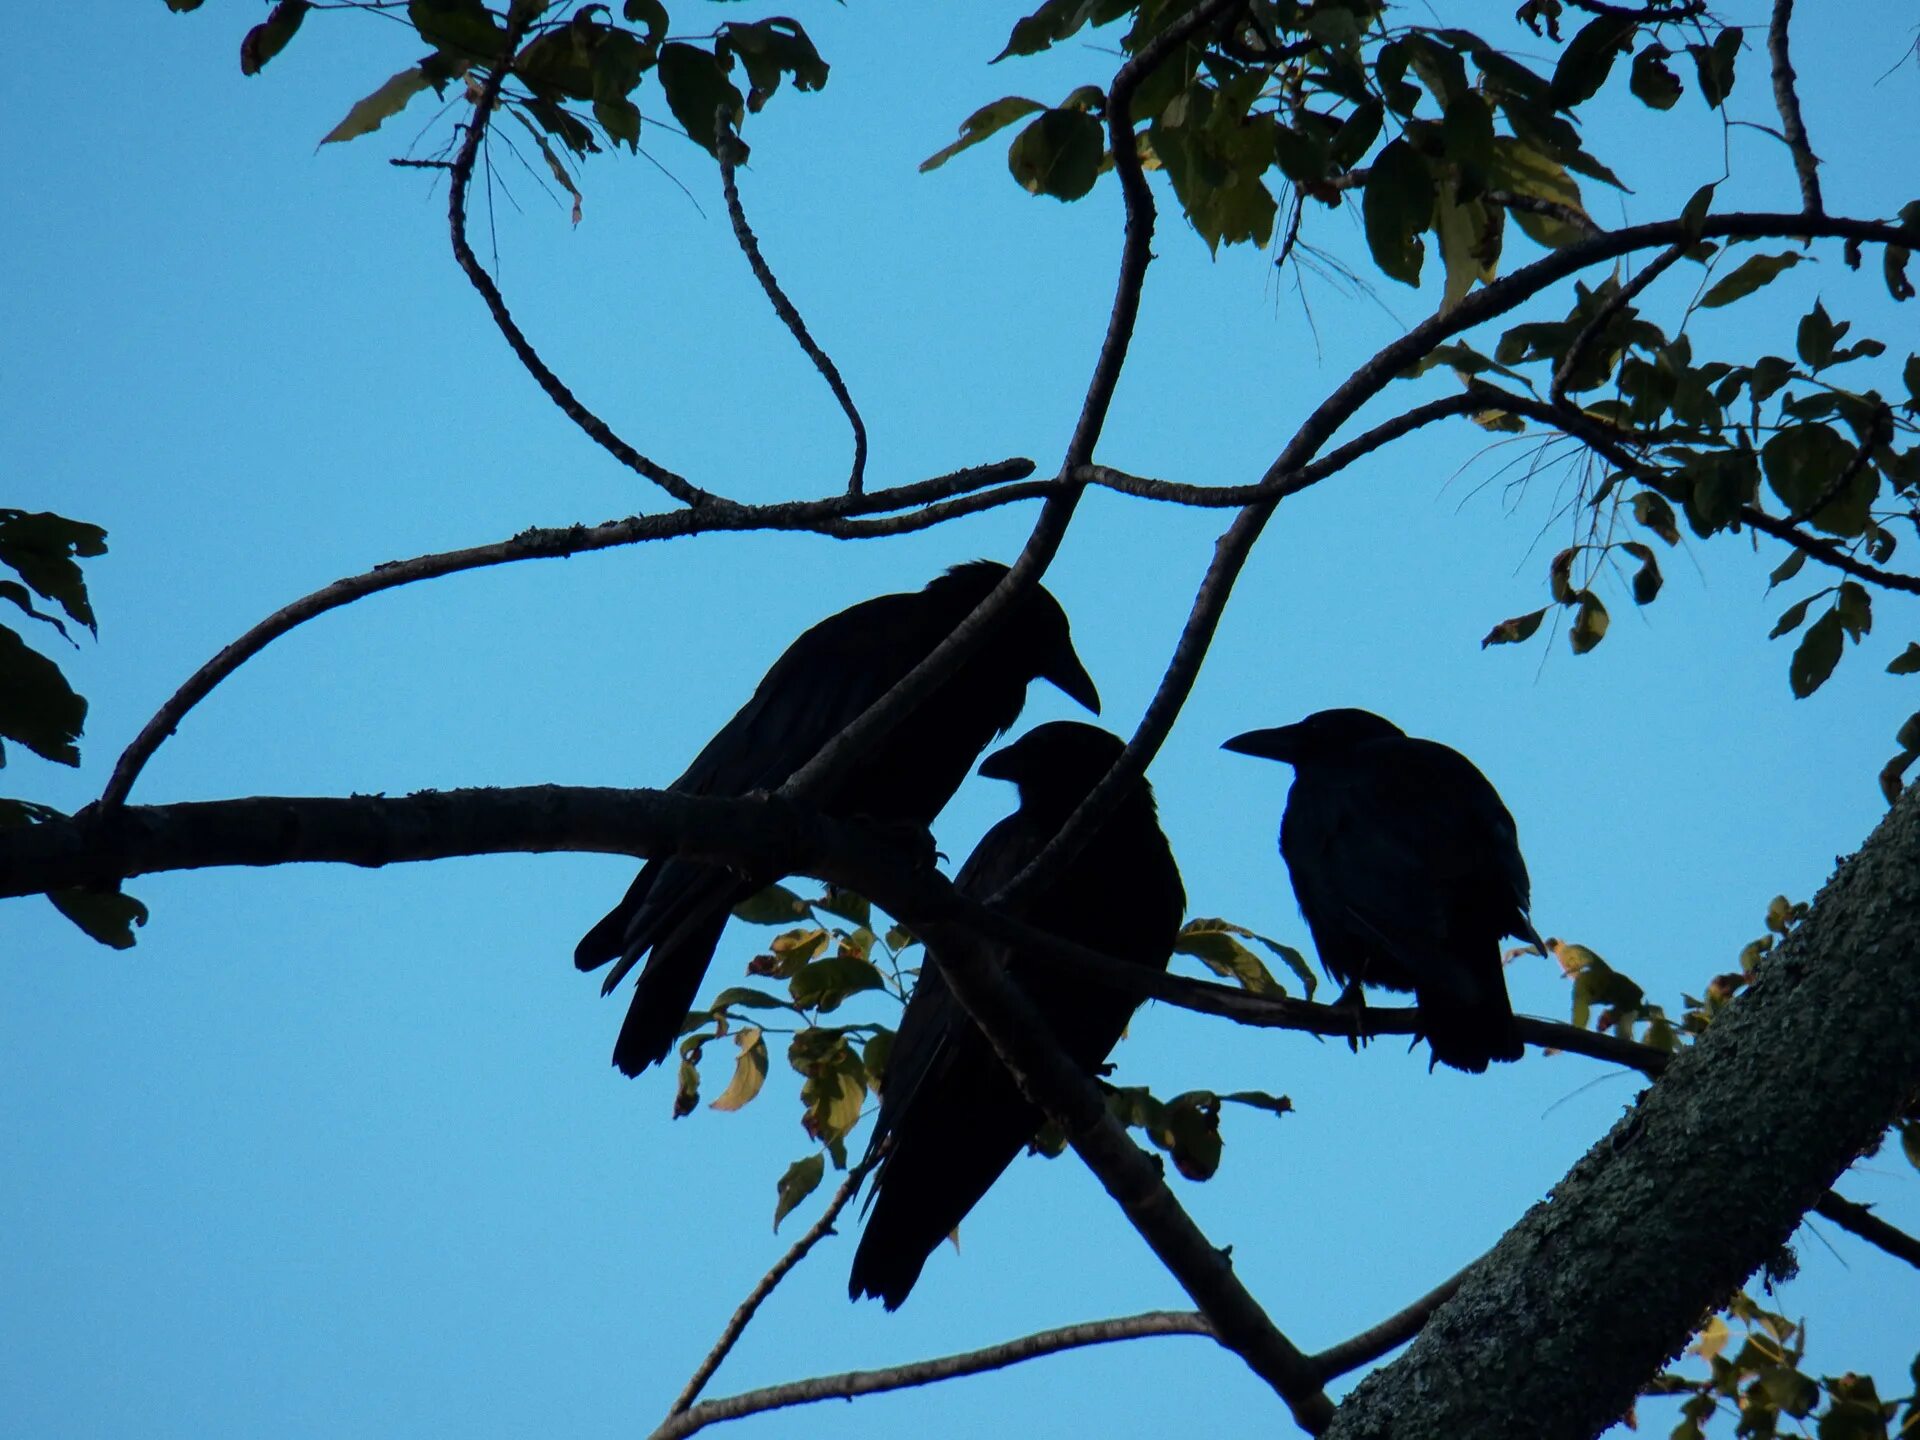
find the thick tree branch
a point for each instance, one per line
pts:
(742, 1317)
(1806, 165)
(1704, 1179)
(830, 516)
(925, 1372)
(728, 154)
(597, 429)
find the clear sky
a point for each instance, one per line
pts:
(339, 1153)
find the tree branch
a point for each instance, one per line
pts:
(1050, 529)
(597, 429)
(742, 1317)
(820, 516)
(1391, 1333)
(925, 1372)
(1806, 165)
(1583, 342)
(1553, 1334)
(727, 152)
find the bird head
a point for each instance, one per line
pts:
(1038, 628)
(1063, 760)
(1323, 735)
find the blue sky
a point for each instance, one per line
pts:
(338, 1153)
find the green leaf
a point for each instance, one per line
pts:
(1714, 65)
(1512, 632)
(801, 1180)
(1787, 568)
(775, 905)
(823, 984)
(1693, 215)
(749, 1071)
(620, 118)
(696, 89)
(106, 915)
(1397, 207)
(1589, 623)
(367, 115)
(1203, 939)
(1752, 273)
(650, 13)
(1855, 608)
(1646, 579)
(1907, 662)
(464, 29)
(1054, 21)
(1654, 82)
(988, 120)
(875, 1054)
(1802, 463)
(788, 951)
(1818, 653)
(1058, 154)
(1595, 983)
(855, 909)
(1654, 513)
(1524, 169)
(769, 49)
(270, 36)
(1261, 1100)
(1794, 615)
(1818, 334)
(745, 997)
(37, 706)
(1588, 58)
(41, 548)
(835, 1086)
(1469, 233)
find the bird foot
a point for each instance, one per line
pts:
(1353, 1003)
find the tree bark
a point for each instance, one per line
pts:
(1700, 1183)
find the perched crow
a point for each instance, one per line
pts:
(1408, 872)
(954, 1114)
(826, 679)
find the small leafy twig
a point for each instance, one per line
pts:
(570, 405)
(742, 1317)
(727, 150)
(1806, 165)
(1577, 352)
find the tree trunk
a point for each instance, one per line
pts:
(1699, 1184)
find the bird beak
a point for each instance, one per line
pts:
(1072, 679)
(998, 765)
(1275, 744)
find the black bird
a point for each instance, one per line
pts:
(1408, 872)
(828, 676)
(954, 1114)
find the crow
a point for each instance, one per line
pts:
(1408, 872)
(676, 909)
(952, 1112)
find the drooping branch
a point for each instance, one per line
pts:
(727, 151)
(830, 516)
(1554, 1333)
(742, 1317)
(556, 389)
(926, 1372)
(1806, 165)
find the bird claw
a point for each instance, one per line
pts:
(914, 842)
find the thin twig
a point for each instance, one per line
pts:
(1553, 209)
(742, 1317)
(1610, 444)
(726, 149)
(926, 1372)
(1391, 1333)
(597, 429)
(1850, 1215)
(823, 516)
(1806, 165)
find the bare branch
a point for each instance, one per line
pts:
(1394, 1331)
(728, 152)
(1861, 1220)
(823, 516)
(1050, 529)
(743, 1316)
(597, 429)
(1806, 165)
(1684, 10)
(926, 1372)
